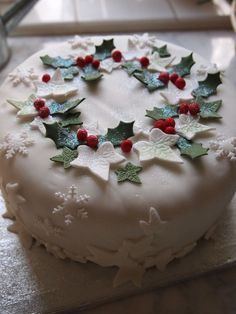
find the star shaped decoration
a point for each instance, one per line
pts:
(83, 43)
(160, 260)
(56, 88)
(159, 64)
(66, 157)
(134, 52)
(108, 65)
(154, 223)
(188, 126)
(158, 147)
(97, 162)
(25, 76)
(25, 108)
(38, 123)
(174, 95)
(142, 41)
(129, 173)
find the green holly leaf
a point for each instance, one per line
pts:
(129, 173)
(162, 113)
(104, 50)
(208, 87)
(61, 136)
(150, 80)
(72, 118)
(183, 68)
(91, 74)
(66, 157)
(69, 73)
(57, 108)
(190, 149)
(25, 108)
(131, 67)
(163, 51)
(57, 62)
(123, 131)
(209, 109)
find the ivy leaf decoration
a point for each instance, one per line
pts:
(104, 50)
(57, 62)
(163, 51)
(190, 149)
(61, 136)
(208, 87)
(91, 74)
(183, 68)
(131, 67)
(150, 80)
(66, 157)
(69, 73)
(71, 119)
(162, 113)
(123, 131)
(129, 173)
(57, 108)
(25, 108)
(209, 109)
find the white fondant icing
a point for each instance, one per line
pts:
(142, 41)
(159, 64)
(174, 95)
(134, 52)
(38, 123)
(154, 223)
(108, 65)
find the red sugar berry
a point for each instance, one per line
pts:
(92, 141)
(144, 61)
(116, 55)
(39, 103)
(169, 130)
(164, 77)
(170, 122)
(173, 77)
(46, 78)
(88, 59)
(126, 146)
(96, 64)
(180, 83)
(44, 112)
(82, 135)
(194, 109)
(80, 62)
(184, 108)
(160, 124)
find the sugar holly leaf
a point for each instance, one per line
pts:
(25, 108)
(183, 68)
(66, 157)
(132, 66)
(123, 131)
(91, 74)
(191, 149)
(69, 73)
(209, 109)
(150, 80)
(162, 113)
(61, 136)
(104, 50)
(129, 173)
(208, 87)
(71, 119)
(163, 51)
(57, 108)
(57, 62)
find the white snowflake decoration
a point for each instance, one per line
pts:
(142, 41)
(159, 64)
(108, 65)
(25, 76)
(83, 43)
(14, 143)
(72, 205)
(174, 95)
(224, 147)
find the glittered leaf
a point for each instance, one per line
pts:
(190, 149)
(57, 62)
(163, 51)
(150, 80)
(209, 109)
(68, 74)
(61, 136)
(162, 113)
(123, 131)
(66, 157)
(129, 173)
(104, 50)
(208, 87)
(57, 108)
(91, 74)
(71, 119)
(132, 66)
(183, 68)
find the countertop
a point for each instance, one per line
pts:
(209, 294)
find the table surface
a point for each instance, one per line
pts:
(209, 294)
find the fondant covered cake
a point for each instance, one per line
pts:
(120, 151)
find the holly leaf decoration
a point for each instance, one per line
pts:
(69, 73)
(91, 74)
(131, 67)
(162, 113)
(191, 149)
(209, 109)
(57, 108)
(208, 87)
(129, 173)
(66, 157)
(150, 80)
(183, 68)
(71, 119)
(25, 108)
(104, 50)
(163, 51)
(123, 131)
(61, 136)
(57, 62)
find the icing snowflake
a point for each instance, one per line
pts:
(98, 162)
(108, 65)
(14, 143)
(25, 76)
(159, 64)
(174, 95)
(72, 205)
(158, 147)
(188, 126)
(224, 147)
(134, 52)
(38, 123)
(80, 42)
(142, 41)
(154, 223)
(160, 260)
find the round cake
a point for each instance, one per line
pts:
(117, 150)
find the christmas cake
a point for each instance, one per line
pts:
(119, 151)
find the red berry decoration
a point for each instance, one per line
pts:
(92, 141)
(39, 103)
(173, 77)
(126, 146)
(194, 109)
(164, 77)
(184, 108)
(82, 135)
(116, 55)
(170, 122)
(144, 62)
(44, 112)
(96, 64)
(169, 130)
(46, 78)
(80, 62)
(88, 59)
(180, 83)
(160, 124)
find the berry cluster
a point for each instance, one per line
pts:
(46, 78)
(91, 140)
(177, 80)
(82, 62)
(166, 125)
(40, 106)
(192, 108)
